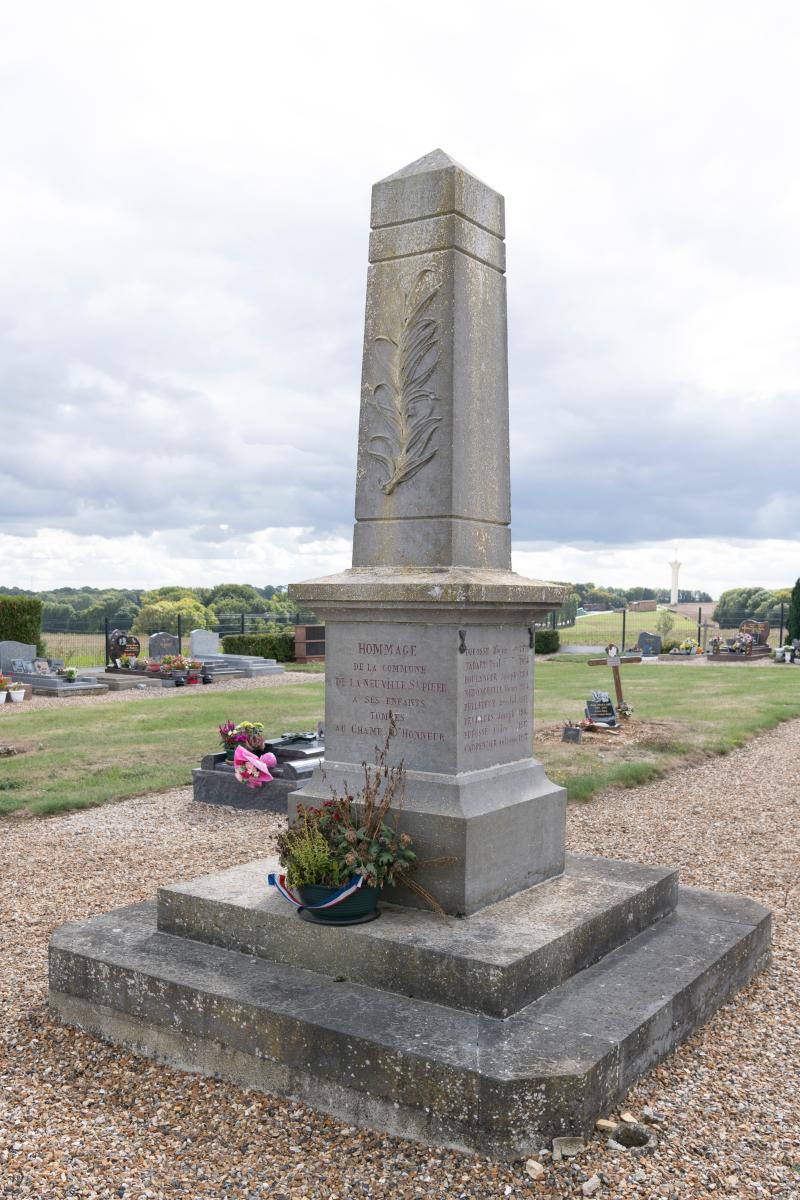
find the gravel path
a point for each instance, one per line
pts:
(79, 1118)
(157, 693)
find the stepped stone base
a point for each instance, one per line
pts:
(493, 1033)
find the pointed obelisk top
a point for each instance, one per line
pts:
(437, 186)
(437, 160)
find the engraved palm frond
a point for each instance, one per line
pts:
(402, 398)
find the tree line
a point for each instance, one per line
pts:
(86, 609)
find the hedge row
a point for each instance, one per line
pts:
(268, 645)
(546, 641)
(21, 621)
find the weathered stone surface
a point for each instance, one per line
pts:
(415, 1068)
(431, 624)
(496, 961)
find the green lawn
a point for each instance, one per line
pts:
(598, 629)
(84, 756)
(690, 711)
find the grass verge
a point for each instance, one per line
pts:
(77, 757)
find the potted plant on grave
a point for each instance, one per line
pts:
(193, 668)
(339, 857)
(3, 688)
(70, 674)
(16, 692)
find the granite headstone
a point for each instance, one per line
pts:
(204, 643)
(649, 644)
(162, 644)
(19, 651)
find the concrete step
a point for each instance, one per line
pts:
(496, 961)
(412, 1067)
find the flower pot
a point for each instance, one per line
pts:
(17, 696)
(3, 697)
(229, 753)
(360, 907)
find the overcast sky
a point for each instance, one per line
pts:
(184, 215)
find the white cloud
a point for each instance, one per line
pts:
(184, 199)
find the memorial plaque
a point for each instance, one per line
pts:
(571, 733)
(455, 711)
(600, 709)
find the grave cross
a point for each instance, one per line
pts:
(614, 661)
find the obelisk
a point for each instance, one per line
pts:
(430, 623)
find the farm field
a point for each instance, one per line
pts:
(78, 757)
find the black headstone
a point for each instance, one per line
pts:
(649, 644)
(600, 709)
(571, 733)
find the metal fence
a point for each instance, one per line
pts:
(596, 630)
(88, 647)
(592, 632)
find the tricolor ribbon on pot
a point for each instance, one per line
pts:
(279, 883)
(250, 769)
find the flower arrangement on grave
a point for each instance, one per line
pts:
(742, 643)
(153, 665)
(339, 856)
(70, 674)
(249, 734)
(715, 645)
(251, 769)
(173, 662)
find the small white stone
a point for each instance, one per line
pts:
(590, 1187)
(606, 1126)
(534, 1168)
(629, 1118)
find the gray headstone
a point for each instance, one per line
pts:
(16, 650)
(203, 642)
(161, 644)
(431, 625)
(649, 644)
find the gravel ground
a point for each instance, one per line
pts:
(79, 1118)
(156, 693)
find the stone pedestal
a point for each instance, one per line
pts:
(494, 1033)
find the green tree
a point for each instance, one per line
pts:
(162, 616)
(794, 612)
(664, 622)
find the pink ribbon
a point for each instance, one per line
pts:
(262, 765)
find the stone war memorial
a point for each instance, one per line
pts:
(555, 980)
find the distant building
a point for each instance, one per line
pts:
(642, 605)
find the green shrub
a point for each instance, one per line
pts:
(268, 645)
(546, 641)
(21, 621)
(669, 644)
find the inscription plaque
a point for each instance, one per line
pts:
(455, 711)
